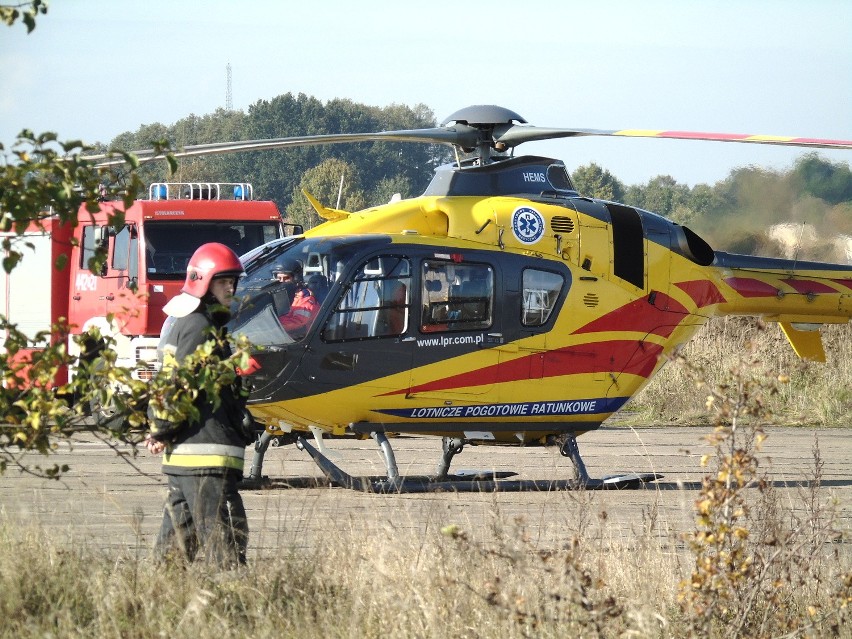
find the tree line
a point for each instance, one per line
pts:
(749, 210)
(371, 172)
(736, 214)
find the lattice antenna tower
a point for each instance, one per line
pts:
(229, 102)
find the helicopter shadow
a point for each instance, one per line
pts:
(283, 483)
(463, 481)
(778, 483)
(487, 482)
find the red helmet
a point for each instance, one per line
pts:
(209, 261)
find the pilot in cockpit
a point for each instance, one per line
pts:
(303, 303)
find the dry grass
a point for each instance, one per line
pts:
(494, 581)
(817, 394)
(791, 574)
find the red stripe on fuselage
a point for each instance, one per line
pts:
(807, 288)
(703, 292)
(846, 283)
(660, 318)
(750, 287)
(614, 356)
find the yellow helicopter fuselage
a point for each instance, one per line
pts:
(582, 303)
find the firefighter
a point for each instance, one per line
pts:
(204, 515)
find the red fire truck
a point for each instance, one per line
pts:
(146, 264)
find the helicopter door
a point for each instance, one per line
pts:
(532, 355)
(458, 325)
(361, 345)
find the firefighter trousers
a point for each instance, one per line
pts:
(204, 518)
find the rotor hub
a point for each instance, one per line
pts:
(489, 121)
(482, 116)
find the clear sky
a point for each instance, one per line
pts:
(95, 68)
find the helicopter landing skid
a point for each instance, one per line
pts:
(464, 482)
(264, 440)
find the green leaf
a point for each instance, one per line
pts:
(10, 261)
(60, 262)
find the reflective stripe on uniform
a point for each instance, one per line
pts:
(189, 455)
(191, 448)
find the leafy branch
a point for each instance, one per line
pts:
(25, 11)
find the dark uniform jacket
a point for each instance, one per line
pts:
(214, 445)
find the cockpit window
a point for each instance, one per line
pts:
(376, 302)
(287, 282)
(281, 295)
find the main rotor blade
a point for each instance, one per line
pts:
(460, 135)
(517, 134)
(470, 136)
(780, 140)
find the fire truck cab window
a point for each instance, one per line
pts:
(89, 246)
(540, 291)
(456, 296)
(120, 250)
(169, 245)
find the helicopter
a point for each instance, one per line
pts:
(500, 307)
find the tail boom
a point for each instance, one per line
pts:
(800, 296)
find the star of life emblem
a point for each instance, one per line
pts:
(527, 224)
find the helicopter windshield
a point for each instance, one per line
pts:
(285, 286)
